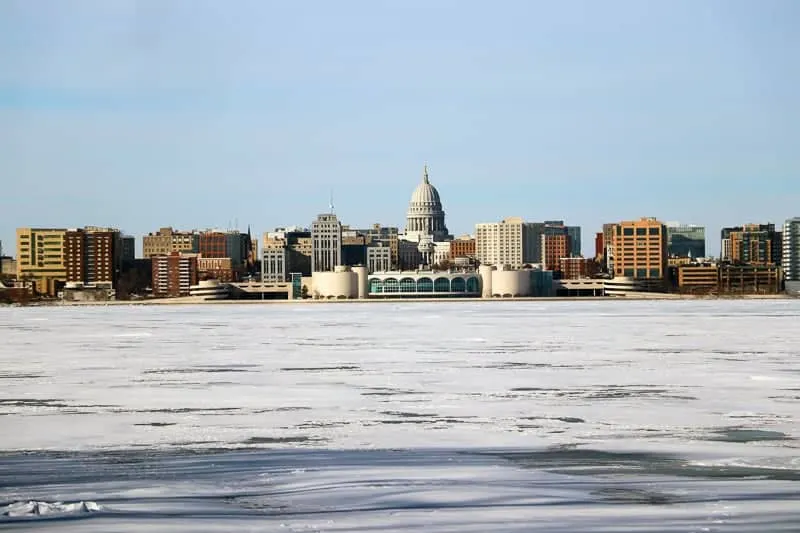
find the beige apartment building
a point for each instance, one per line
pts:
(40, 258)
(640, 249)
(167, 240)
(500, 243)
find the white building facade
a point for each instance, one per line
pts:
(791, 255)
(326, 243)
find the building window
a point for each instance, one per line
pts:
(655, 273)
(458, 285)
(655, 231)
(628, 231)
(424, 285)
(441, 285)
(628, 273)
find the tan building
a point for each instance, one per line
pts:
(40, 258)
(218, 268)
(500, 243)
(8, 266)
(167, 241)
(698, 278)
(640, 249)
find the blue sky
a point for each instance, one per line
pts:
(199, 114)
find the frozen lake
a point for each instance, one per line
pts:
(456, 416)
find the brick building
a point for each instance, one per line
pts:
(174, 274)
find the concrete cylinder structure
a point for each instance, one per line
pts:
(362, 281)
(485, 273)
(340, 284)
(511, 283)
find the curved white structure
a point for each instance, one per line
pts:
(362, 280)
(210, 289)
(511, 283)
(624, 286)
(485, 273)
(341, 284)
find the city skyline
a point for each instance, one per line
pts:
(141, 115)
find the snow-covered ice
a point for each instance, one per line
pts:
(452, 416)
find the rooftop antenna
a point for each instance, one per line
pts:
(330, 203)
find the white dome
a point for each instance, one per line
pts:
(425, 215)
(425, 194)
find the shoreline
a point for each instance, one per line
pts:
(192, 300)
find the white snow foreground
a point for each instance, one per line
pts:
(34, 508)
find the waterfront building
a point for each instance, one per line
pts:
(216, 268)
(749, 279)
(379, 258)
(174, 274)
(167, 240)
(557, 227)
(40, 258)
(686, 240)
(463, 247)
(93, 255)
(296, 242)
(500, 243)
(274, 261)
(326, 243)
(387, 236)
(791, 255)
(424, 284)
(697, 278)
(640, 251)
(577, 267)
(555, 246)
(755, 244)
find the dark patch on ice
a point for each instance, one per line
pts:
(184, 410)
(748, 435)
(626, 495)
(405, 414)
(387, 391)
(282, 409)
(320, 425)
(156, 424)
(34, 402)
(12, 375)
(319, 368)
(566, 419)
(573, 460)
(282, 440)
(196, 370)
(510, 365)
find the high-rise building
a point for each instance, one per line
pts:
(40, 258)
(290, 247)
(174, 274)
(686, 240)
(326, 243)
(167, 240)
(640, 249)
(128, 243)
(93, 255)
(755, 244)
(555, 246)
(791, 255)
(500, 243)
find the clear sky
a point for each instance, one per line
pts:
(203, 113)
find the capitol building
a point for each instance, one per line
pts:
(426, 240)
